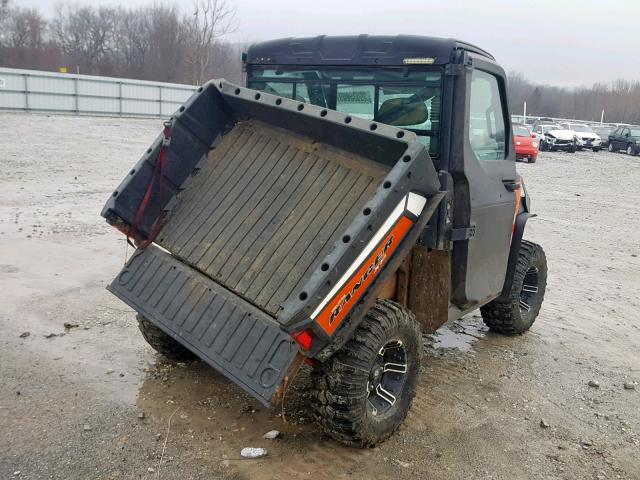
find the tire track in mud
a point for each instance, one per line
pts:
(321, 460)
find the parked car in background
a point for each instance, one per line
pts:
(543, 121)
(604, 132)
(584, 135)
(526, 143)
(553, 137)
(625, 138)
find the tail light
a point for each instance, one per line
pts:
(304, 338)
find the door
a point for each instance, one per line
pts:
(613, 138)
(538, 132)
(490, 181)
(624, 138)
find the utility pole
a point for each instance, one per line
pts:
(602, 117)
(524, 116)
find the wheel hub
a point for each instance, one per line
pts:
(387, 377)
(530, 290)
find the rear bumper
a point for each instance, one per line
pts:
(236, 338)
(526, 152)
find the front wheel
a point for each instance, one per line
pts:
(630, 149)
(610, 147)
(515, 314)
(596, 149)
(362, 394)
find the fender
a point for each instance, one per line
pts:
(516, 240)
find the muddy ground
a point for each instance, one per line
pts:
(72, 398)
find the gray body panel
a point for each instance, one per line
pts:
(231, 335)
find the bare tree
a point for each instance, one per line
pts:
(168, 38)
(210, 21)
(131, 42)
(84, 34)
(4, 13)
(25, 28)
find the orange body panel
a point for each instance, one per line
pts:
(332, 315)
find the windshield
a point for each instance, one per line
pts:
(403, 97)
(549, 128)
(520, 131)
(581, 128)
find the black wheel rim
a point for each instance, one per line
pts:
(387, 377)
(530, 290)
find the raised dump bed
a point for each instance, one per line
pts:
(270, 218)
(265, 208)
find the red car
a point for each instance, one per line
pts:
(526, 143)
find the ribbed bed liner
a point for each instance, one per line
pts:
(264, 208)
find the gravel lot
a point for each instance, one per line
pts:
(94, 401)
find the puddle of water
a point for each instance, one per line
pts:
(460, 335)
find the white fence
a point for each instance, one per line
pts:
(35, 91)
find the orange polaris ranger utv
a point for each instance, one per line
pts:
(361, 191)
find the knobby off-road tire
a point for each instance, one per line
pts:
(516, 314)
(163, 343)
(361, 395)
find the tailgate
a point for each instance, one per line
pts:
(228, 333)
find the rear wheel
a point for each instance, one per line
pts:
(163, 343)
(362, 394)
(515, 314)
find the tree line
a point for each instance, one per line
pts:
(619, 99)
(167, 43)
(160, 42)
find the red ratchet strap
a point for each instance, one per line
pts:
(156, 179)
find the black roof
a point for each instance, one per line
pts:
(357, 50)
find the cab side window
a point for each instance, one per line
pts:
(487, 128)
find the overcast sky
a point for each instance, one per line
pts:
(561, 42)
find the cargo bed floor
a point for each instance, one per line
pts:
(264, 208)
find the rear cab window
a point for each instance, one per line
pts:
(407, 98)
